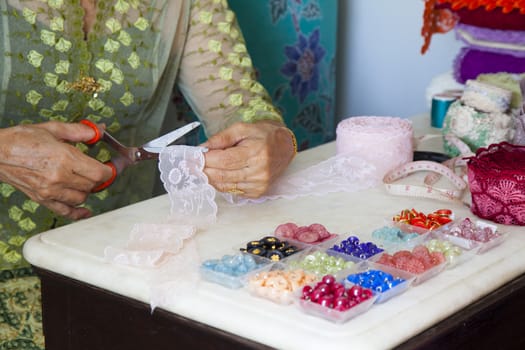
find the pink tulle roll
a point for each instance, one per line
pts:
(385, 142)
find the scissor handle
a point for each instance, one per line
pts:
(109, 181)
(98, 132)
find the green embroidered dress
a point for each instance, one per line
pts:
(135, 54)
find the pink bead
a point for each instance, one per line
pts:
(329, 280)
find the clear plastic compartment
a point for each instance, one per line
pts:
(237, 280)
(391, 246)
(420, 230)
(330, 250)
(281, 285)
(333, 315)
(341, 264)
(465, 255)
(400, 288)
(281, 252)
(476, 246)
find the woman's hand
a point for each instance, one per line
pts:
(37, 160)
(246, 158)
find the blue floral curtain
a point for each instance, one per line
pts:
(293, 48)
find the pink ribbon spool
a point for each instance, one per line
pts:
(385, 142)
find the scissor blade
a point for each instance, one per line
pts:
(159, 143)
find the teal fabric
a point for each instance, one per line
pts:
(293, 48)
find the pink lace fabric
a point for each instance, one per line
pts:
(385, 142)
(496, 177)
(168, 248)
(341, 173)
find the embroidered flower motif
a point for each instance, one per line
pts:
(124, 38)
(30, 206)
(224, 27)
(103, 155)
(134, 60)
(15, 213)
(33, 97)
(62, 67)
(48, 37)
(107, 112)
(205, 17)
(121, 6)
(240, 48)
(214, 46)
(302, 65)
(51, 79)
(35, 58)
(113, 25)
(105, 85)
(56, 4)
(246, 62)
(27, 225)
(17, 240)
(234, 34)
(60, 105)
(127, 99)
(111, 46)
(96, 104)
(141, 24)
(63, 45)
(104, 65)
(6, 190)
(63, 87)
(226, 73)
(234, 58)
(236, 100)
(117, 76)
(12, 257)
(57, 24)
(29, 15)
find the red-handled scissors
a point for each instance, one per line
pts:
(131, 155)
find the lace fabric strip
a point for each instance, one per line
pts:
(385, 142)
(168, 247)
(340, 173)
(496, 177)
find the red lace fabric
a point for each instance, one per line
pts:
(489, 5)
(440, 16)
(497, 183)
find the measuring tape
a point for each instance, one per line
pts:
(427, 190)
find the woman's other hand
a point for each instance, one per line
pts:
(247, 157)
(38, 160)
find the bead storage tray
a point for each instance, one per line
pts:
(333, 315)
(322, 262)
(270, 248)
(328, 242)
(425, 275)
(469, 244)
(233, 280)
(428, 222)
(305, 236)
(279, 284)
(390, 246)
(384, 296)
(454, 261)
(351, 254)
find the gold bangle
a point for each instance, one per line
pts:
(294, 141)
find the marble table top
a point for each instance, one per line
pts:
(77, 251)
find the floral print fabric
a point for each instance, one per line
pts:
(293, 46)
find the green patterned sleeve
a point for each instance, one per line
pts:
(216, 73)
